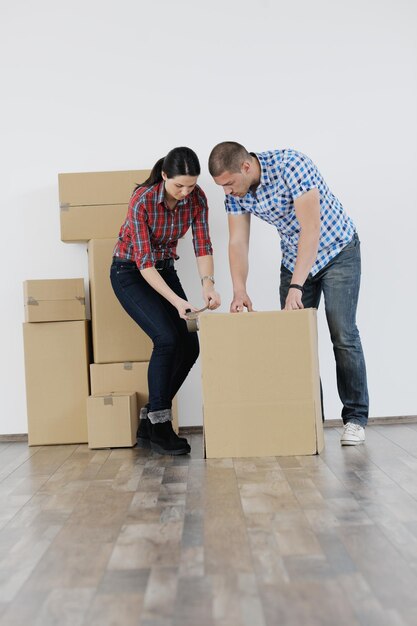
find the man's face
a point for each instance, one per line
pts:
(235, 184)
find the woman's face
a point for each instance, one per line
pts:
(180, 186)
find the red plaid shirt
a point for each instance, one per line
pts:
(151, 231)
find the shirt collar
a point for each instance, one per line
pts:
(161, 192)
(264, 170)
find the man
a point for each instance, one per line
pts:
(320, 253)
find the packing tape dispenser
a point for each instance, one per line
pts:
(192, 319)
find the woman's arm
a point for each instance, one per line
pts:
(155, 280)
(206, 270)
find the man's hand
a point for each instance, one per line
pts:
(293, 301)
(240, 301)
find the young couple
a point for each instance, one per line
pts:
(320, 254)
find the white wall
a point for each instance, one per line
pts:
(99, 85)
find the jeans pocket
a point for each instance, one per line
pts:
(352, 246)
(355, 241)
(124, 266)
(126, 275)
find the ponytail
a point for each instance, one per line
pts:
(154, 177)
(178, 162)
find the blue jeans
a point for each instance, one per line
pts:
(175, 350)
(339, 281)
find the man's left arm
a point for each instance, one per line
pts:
(307, 210)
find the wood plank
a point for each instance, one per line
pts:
(128, 536)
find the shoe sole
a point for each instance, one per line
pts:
(155, 448)
(146, 443)
(351, 443)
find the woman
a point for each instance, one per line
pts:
(145, 281)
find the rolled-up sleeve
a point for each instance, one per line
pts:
(232, 206)
(142, 249)
(200, 227)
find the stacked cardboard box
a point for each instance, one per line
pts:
(112, 420)
(56, 346)
(117, 377)
(54, 300)
(119, 345)
(94, 204)
(262, 397)
(116, 337)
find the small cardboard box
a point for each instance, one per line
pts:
(112, 420)
(94, 204)
(57, 381)
(116, 337)
(261, 386)
(54, 300)
(115, 377)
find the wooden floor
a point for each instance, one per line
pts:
(125, 537)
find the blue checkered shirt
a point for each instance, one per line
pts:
(285, 176)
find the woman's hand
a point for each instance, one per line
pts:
(183, 307)
(211, 297)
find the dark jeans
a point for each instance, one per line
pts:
(175, 350)
(339, 281)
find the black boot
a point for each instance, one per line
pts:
(163, 438)
(143, 436)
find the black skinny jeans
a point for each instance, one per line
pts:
(175, 350)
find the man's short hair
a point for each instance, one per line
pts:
(227, 156)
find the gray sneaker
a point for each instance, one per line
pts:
(352, 435)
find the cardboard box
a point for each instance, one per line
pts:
(54, 300)
(116, 337)
(261, 386)
(112, 420)
(117, 377)
(57, 381)
(94, 204)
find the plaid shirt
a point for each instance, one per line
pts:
(285, 176)
(151, 231)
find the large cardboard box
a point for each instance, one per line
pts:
(112, 420)
(117, 377)
(54, 300)
(116, 337)
(261, 387)
(57, 381)
(94, 204)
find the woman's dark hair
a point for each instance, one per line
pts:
(178, 162)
